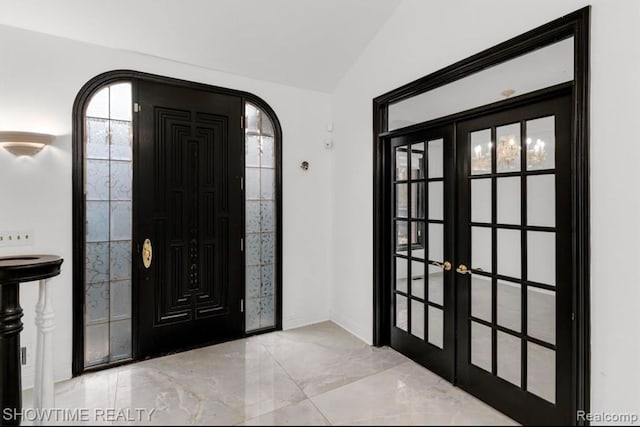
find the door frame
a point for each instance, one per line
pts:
(78, 206)
(577, 25)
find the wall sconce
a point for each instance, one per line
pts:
(24, 143)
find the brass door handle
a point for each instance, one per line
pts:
(462, 269)
(147, 253)
(446, 266)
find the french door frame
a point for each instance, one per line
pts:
(78, 185)
(575, 24)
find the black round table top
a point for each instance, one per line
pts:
(27, 268)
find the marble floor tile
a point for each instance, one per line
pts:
(315, 375)
(224, 384)
(404, 395)
(322, 357)
(92, 390)
(298, 414)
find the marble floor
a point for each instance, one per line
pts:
(315, 375)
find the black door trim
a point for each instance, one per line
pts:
(79, 106)
(576, 24)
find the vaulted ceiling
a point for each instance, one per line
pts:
(303, 43)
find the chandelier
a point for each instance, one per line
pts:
(507, 154)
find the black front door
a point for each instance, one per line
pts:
(514, 256)
(188, 210)
(422, 185)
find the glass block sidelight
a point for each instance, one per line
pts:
(108, 203)
(260, 220)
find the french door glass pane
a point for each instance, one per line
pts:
(436, 242)
(508, 148)
(402, 163)
(436, 326)
(541, 314)
(481, 297)
(508, 200)
(481, 346)
(417, 279)
(436, 158)
(401, 312)
(509, 247)
(402, 237)
(509, 305)
(541, 371)
(481, 248)
(436, 285)
(436, 200)
(541, 143)
(401, 274)
(481, 200)
(481, 147)
(108, 211)
(417, 200)
(417, 161)
(541, 200)
(418, 237)
(509, 359)
(417, 319)
(541, 257)
(402, 200)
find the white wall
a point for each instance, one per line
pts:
(39, 79)
(419, 39)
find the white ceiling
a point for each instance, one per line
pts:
(303, 43)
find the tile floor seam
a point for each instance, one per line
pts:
(115, 394)
(342, 385)
(320, 411)
(311, 399)
(285, 371)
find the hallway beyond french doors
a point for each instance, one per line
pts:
(481, 231)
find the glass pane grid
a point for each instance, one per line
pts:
(108, 187)
(513, 324)
(260, 220)
(419, 238)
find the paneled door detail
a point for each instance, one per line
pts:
(422, 293)
(513, 260)
(188, 210)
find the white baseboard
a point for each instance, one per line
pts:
(61, 372)
(299, 321)
(353, 327)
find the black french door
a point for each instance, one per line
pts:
(188, 211)
(422, 236)
(514, 258)
(481, 252)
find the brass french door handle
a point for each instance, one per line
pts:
(147, 253)
(462, 269)
(446, 266)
